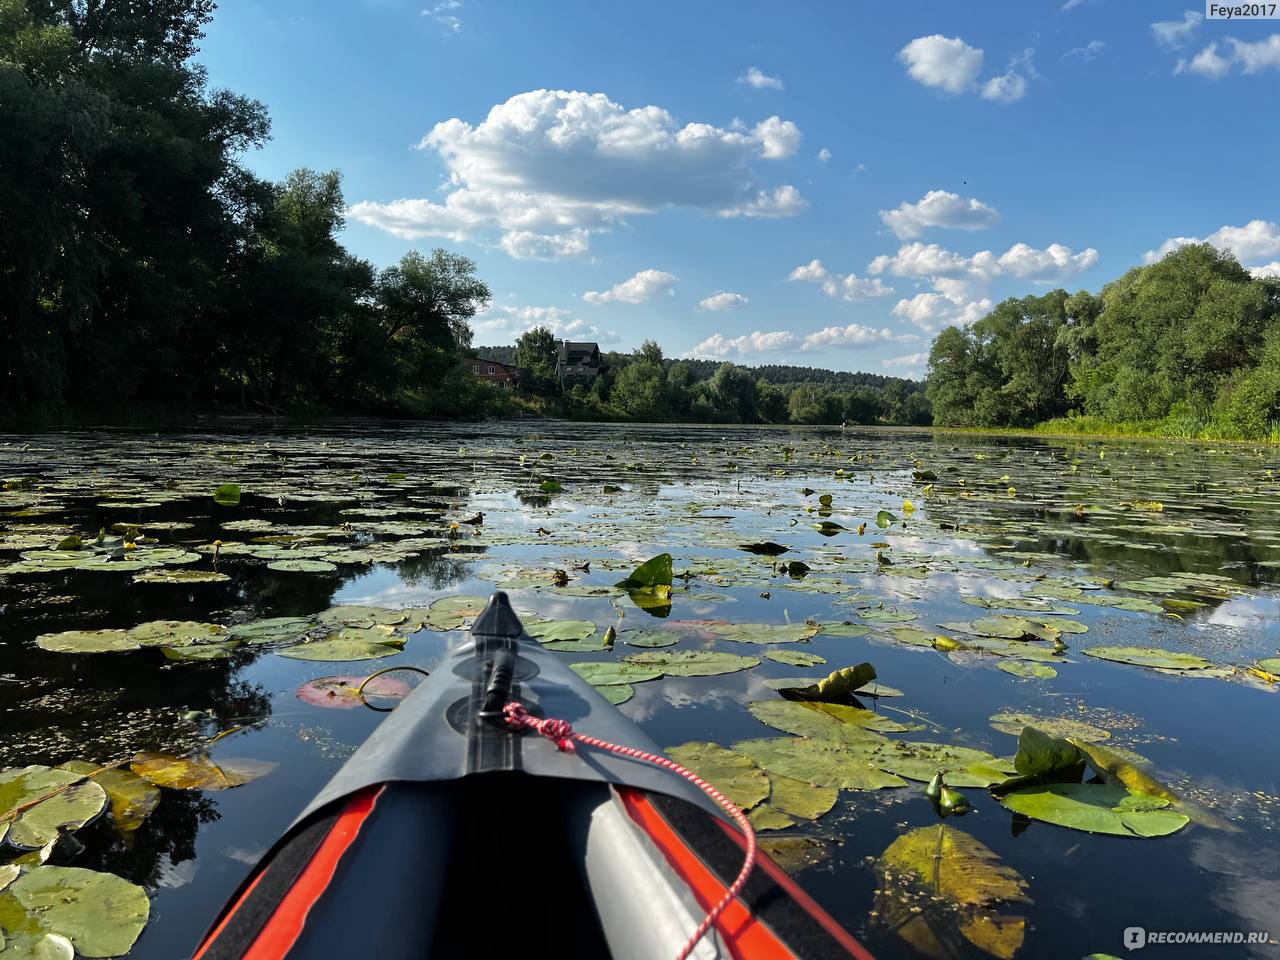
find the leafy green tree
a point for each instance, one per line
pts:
(640, 390)
(680, 389)
(771, 402)
(733, 393)
(536, 359)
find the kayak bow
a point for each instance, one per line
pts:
(453, 832)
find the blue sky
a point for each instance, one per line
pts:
(673, 170)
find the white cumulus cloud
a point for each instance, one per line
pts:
(503, 324)
(749, 344)
(1252, 56)
(910, 360)
(1267, 270)
(757, 78)
(1175, 33)
(723, 301)
(951, 65)
(840, 286)
(824, 155)
(547, 168)
(938, 208)
(1256, 240)
(643, 286)
(947, 63)
(853, 335)
(1054, 262)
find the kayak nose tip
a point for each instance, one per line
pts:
(498, 619)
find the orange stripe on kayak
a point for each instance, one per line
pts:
(744, 935)
(282, 930)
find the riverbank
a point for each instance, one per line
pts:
(1092, 428)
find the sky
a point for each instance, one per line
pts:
(820, 183)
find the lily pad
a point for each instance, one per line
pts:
(302, 565)
(197, 772)
(180, 577)
(1009, 721)
(86, 641)
(132, 798)
(823, 763)
(548, 630)
(345, 646)
(963, 766)
(649, 638)
(763, 632)
(832, 721)
(608, 673)
(1097, 808)
(654, 572)
(1150, 657)
(734, 775)
(70, 802)
(617, 693)
(98, 914)
(227, 495)
(339, 692)
(795, 658)
(1023, 668)
(692, 663)
(799, 799)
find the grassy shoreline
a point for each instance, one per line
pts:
(1089, 428)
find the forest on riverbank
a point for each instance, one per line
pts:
(1188, 346)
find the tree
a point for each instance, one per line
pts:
(536, 359)
(649, 352)
(813, 403)
(733, 392)
(640, 391)
(771, 402)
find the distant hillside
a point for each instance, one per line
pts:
(772, 372)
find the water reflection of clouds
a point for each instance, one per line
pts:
(719, 693)
(1244, 612)
(1247, 883)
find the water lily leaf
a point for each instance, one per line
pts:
(843, 629)
(823, 763)
(616, 693)
(71, 803)
(346, 646)
(649, 638)
(828, 528)
(765, 816)
(766, 548)
(548, 630)
(176, 633)
(227, 495)
(208, 651)
(1009, 721)
(197, 772)
(963, 766)
(886, 615)
(692, 663)
(795, 658)
(604, 674)
(885, 519)
(1040, 755)
(273, 630)
(132, 798)
(762, 632)
(361, 616)
(654, 572)
(180, 577)
(734, 775)
(655, 601)
(99, 914)
(939, 887)
(832, 721)
(799, 799)
(1150, 657)
(452, 612)
(339, 692)
(1022, 668)
(302, 565)
(86, 641)
(837, 685)
(1097, 808)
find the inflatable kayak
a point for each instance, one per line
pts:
(505, 808)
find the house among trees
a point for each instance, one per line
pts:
(491, 371)
(578, 362)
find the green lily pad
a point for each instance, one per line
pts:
(823, 763)
(1009, 721)
(886, 615)
(86, 641)
(763, 632)
(843, 629)
(963, 766)
(345, 646)
(654, 572)
(197, 772)
(99, 914)
(795, 658)
(132, 798)
(1097, 808)
(617, 693)
(734, 775)
(692, 663)
(649, 638)
(1023, 668)
(180, 577)
(227, 495)
(832, 721)
(1150, 657)
(608, 673)
(176, 633)
(302, 565)
(549, 630)
(361, 616)
(69, 804)
(273, 630)
(799, 799)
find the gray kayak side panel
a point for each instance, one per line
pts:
(434, 734)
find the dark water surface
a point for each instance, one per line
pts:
(1005, 518)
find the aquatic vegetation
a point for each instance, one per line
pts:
(730, 585)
